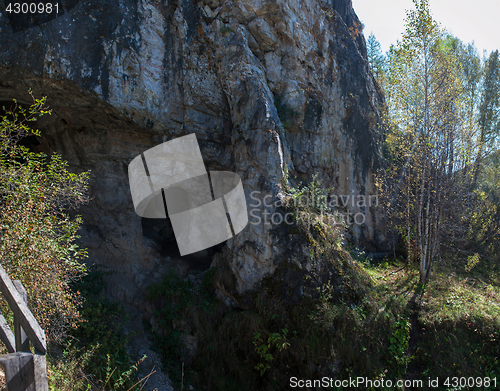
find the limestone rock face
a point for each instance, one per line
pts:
(266, 85)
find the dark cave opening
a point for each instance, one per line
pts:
(29, 141)
(20, 138)
(161, 232)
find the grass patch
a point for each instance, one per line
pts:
(461, 326)
(458, 323)
(452, 300)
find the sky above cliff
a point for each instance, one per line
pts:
(470, 21)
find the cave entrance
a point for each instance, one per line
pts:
(30, 141)
(161, 232)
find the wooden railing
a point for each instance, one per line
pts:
(23, 369)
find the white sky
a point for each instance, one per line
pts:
(477, 20)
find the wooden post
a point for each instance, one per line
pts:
(22, 341)
(23, 344)
(41, 381)
(19, 308)
(6, 335)
(19, 373)
(23, 370)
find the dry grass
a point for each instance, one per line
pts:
(454, 300)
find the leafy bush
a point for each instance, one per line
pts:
(275, 341)
(484, 229)
(72, 372)
(67, 373)
(399, 341)
(37, 231)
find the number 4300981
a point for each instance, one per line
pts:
(32, 8)
(471, 382)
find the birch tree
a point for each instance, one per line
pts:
(489, 111)
(424, 94)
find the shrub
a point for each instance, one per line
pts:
(37, 232)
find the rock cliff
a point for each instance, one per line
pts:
(268, 86)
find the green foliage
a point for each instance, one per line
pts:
(38, 233)
(274, 341)
(312, 214)
(359, 332)
(375, 58)
(311, 198)
(70, 372)
(399, 341)
(489, 109)
(442, 145)
(234, 345)
(368, 337)
(174, 289)
(483, 231)
(457, 302)
(472, 262)
(67, 372)
(325, 234)
(117, 380)
(456, 326)
(431, 144)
